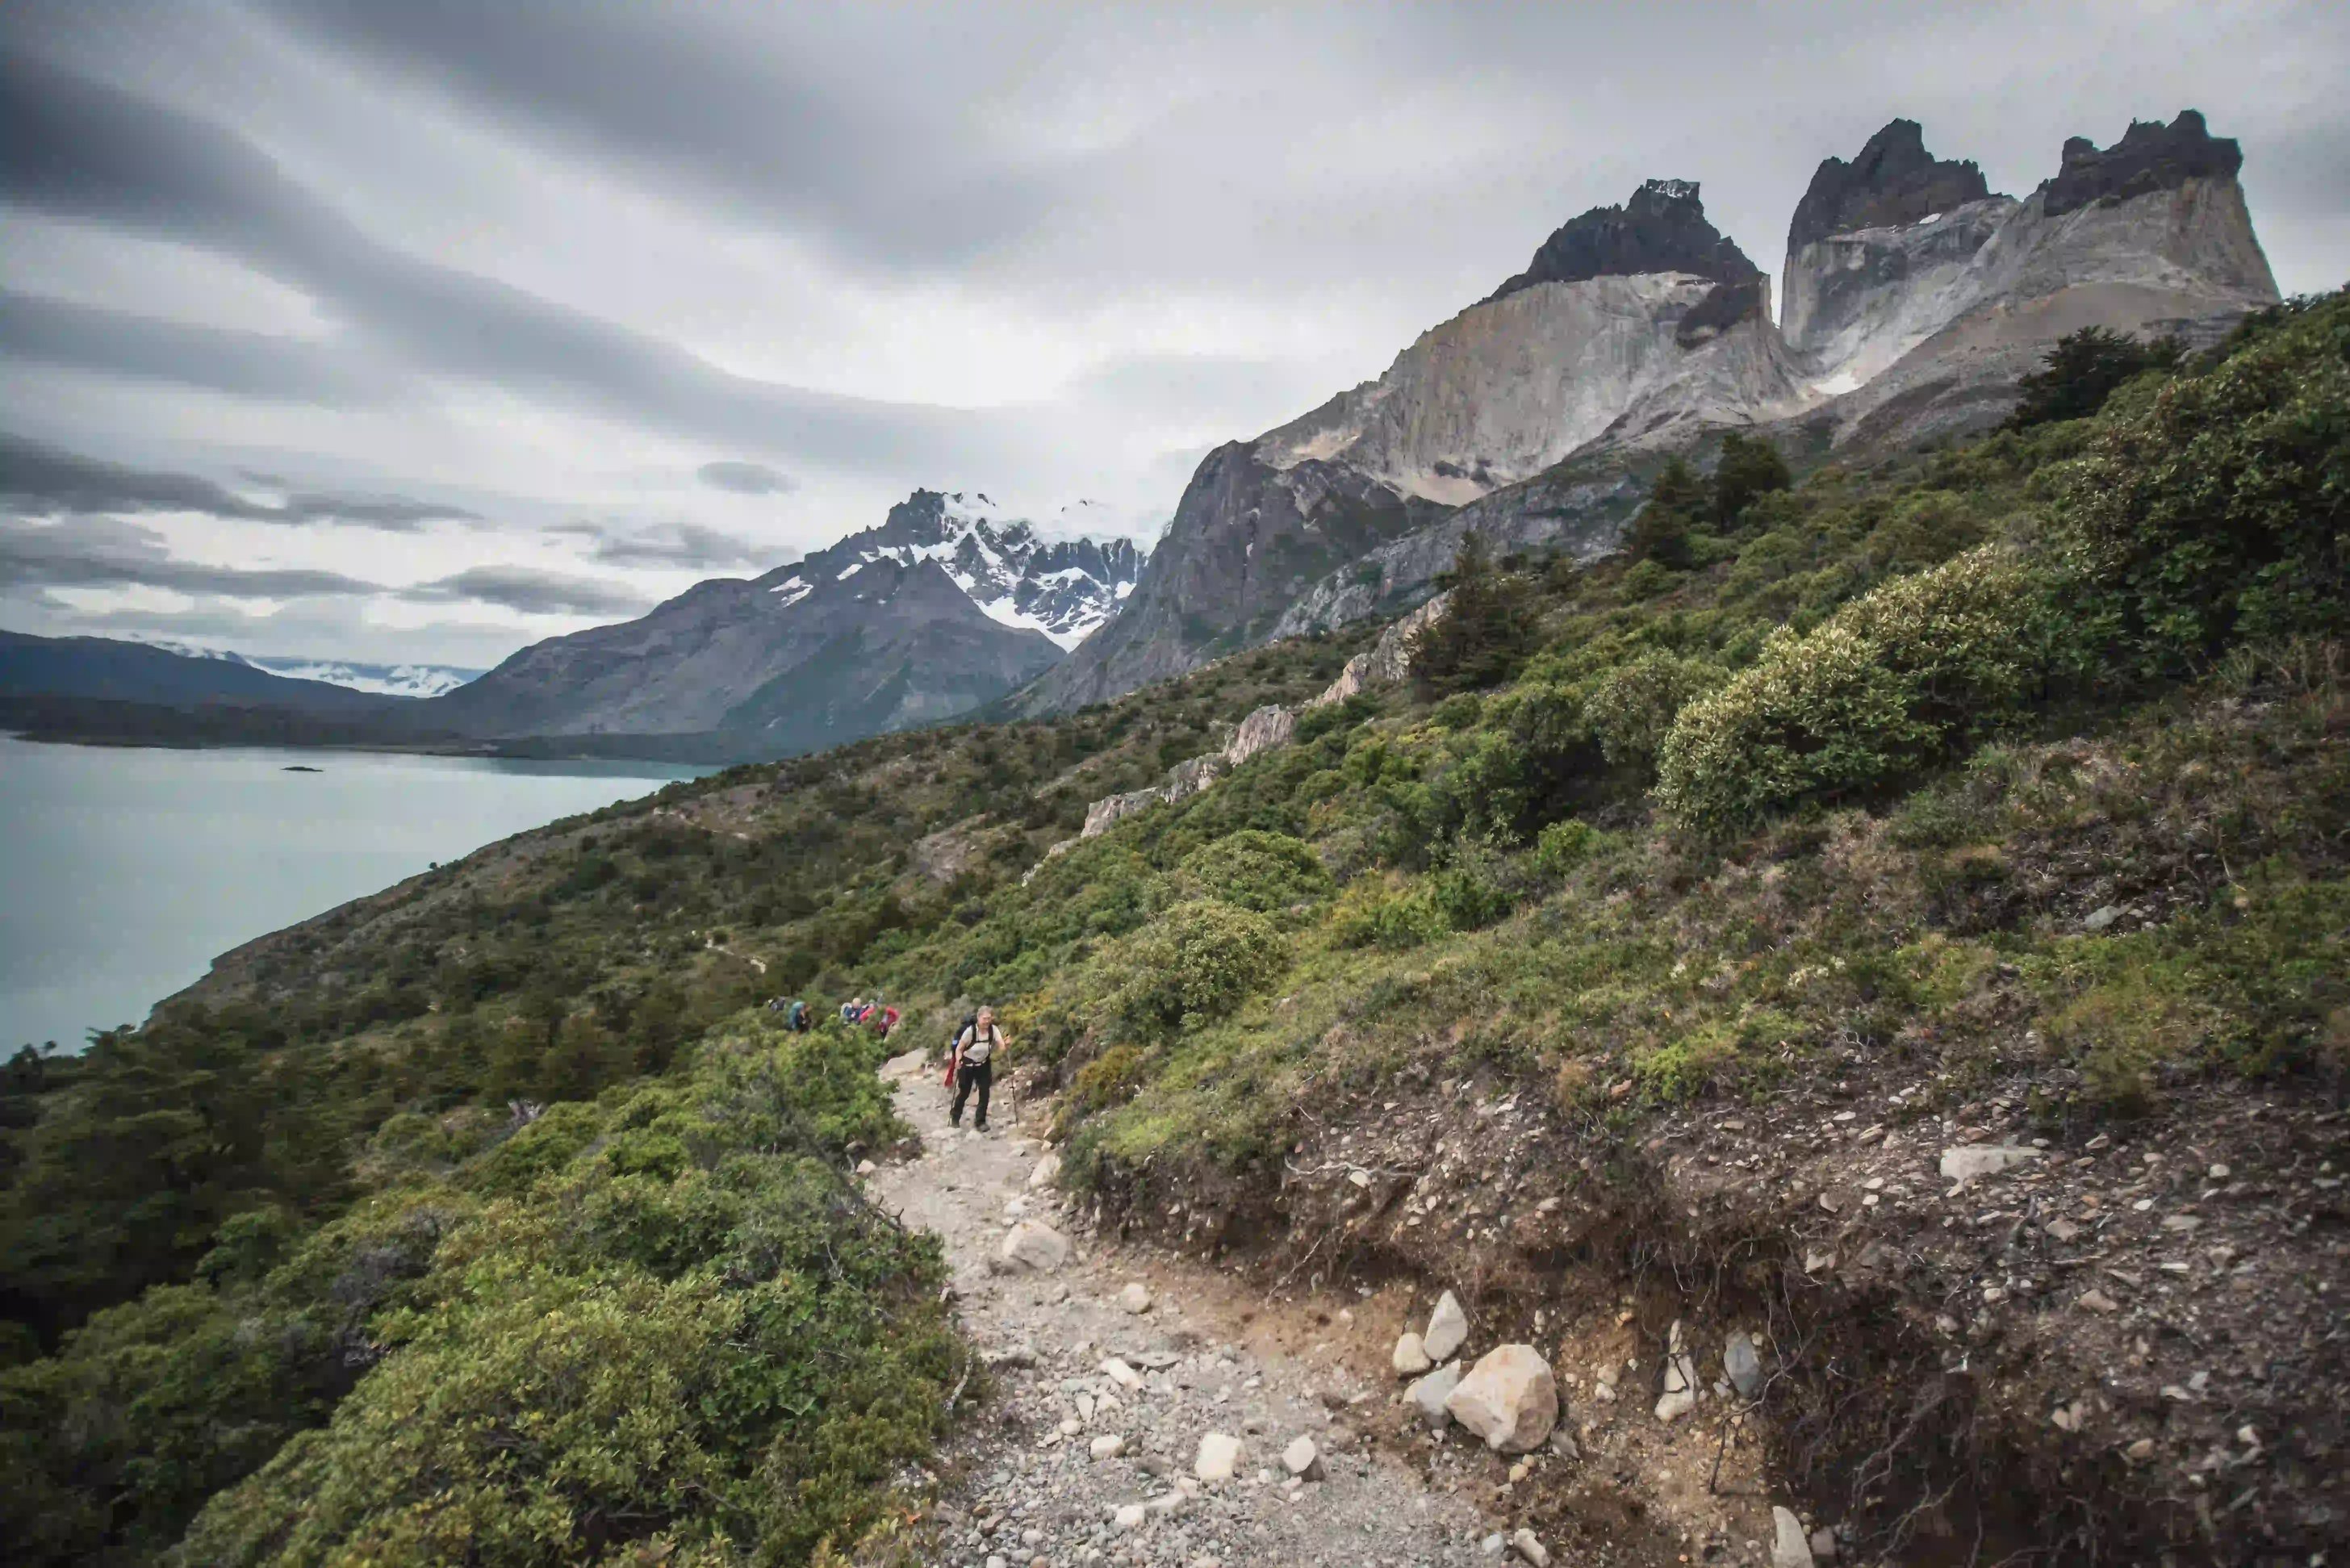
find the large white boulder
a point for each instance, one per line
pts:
(1448, 1329)
(1047, 1172)
(1971, 1162)
(1032, 1244)
(1218, 1456)
(1509, 1398)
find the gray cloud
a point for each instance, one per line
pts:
(245, 364)
(672, 544)
(40, 480)
(745, 478)
(81, 148)
(531, 591)
(875, 161)
(100, 553)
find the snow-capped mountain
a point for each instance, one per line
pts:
(382, 679)
(1063, 587)
(387, 679)
(945, 606)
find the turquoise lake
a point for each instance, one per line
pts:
(125, 871)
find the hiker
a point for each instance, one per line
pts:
(883, 1018)
(974, 1064)
(802, 1018)
(852, 1010)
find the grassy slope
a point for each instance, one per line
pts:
(1477, 889)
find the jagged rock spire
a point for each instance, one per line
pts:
(1662, 228)
(1893, 181)
(2151, 156)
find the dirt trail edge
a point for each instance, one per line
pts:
(1087, 1454)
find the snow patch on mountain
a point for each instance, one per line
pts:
(385, 680)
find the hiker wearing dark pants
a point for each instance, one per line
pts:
(974, 1058)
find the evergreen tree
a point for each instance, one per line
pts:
(2082, 371)
(1661, 531)
(1485, 633)
(1750, 466)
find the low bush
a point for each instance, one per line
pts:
(1253, 870)
(1197, 963)
(1899, 680)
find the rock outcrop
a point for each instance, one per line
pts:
(1662, 229)
(1923, 328)
(2151, 157)
(1892, 183)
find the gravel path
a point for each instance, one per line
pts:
(1087, 1452)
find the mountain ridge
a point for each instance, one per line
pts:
(1915, 300)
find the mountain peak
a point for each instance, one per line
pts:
(1895, 181)
(1662, 228)
(2151, 156)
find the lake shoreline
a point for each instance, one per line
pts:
(128, 872)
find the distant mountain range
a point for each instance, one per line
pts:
(948, 604)
(383, 680)
(1915, 300)
(108, 669)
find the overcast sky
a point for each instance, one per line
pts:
(401, 330)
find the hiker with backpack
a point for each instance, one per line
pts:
(971, 1064)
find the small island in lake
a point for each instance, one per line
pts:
(299, 768)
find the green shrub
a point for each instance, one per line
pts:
(1564, 846)
(1197, 963)
(1632, 707)
(1470, 895)
(2220, 510)
(1255, 871)
(1895, 682)
(1374, 916)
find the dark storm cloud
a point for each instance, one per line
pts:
(246, 364)
(41, 480)
(83, 149)
(99, 553)
(531, 591)
(745, 478)
(680, 545)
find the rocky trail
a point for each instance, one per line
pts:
(1149, 1409)
(1121, 1379)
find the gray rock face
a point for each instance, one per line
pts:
(1894, 182)
(1246, 538)
(1742, 1366)
(1662, 229)
(1924, 329)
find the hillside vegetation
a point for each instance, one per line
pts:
(2018, 763)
